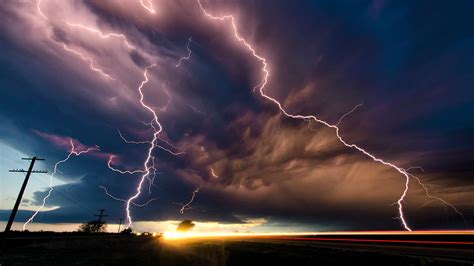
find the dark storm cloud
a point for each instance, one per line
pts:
(410, 64)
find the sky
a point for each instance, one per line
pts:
(305, 116)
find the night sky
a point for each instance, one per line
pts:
(407, 67)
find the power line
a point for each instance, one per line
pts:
(101, 215)
(23, 187)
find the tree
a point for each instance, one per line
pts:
(126, 231)
(95, 226)
(185, 226)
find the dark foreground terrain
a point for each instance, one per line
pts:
(148, 250)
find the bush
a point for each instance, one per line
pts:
(94, 226)
(185, 226)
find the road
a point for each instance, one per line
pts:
(112, 249)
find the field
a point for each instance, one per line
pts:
(148, 250)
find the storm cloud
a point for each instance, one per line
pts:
(409, 66)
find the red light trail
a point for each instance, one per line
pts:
(375, 240)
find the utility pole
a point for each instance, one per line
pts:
(120, 224)
(100, 218)
(22, 190)
(101, 215)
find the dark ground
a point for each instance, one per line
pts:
(147, 250)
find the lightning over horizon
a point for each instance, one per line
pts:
(261, 87)
(152, 146)
(330, 116)
(72, 152)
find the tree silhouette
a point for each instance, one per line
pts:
(94, 226)
(185, 226)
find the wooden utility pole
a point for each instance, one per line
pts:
(23, 187)
(101, 215)
(120, 224)
(99, 224)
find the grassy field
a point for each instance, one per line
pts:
(143, 250)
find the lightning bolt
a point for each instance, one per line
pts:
(415, 167)
(149, 157)
(165, 107)
(213, 173)
(195, 109)
(187, 57)
(102, 35)
(149, 172)
(82, 56)
(148, 6)
(155, 124)
(446, 203)
(56, 166)
(131, 141)
(150, 179)
(169, 143)
(109, 164)
(87, 60)
(156, 145)
(188, 204)
(40, 12)
(335, 127)
(348, 113)
(125, 201)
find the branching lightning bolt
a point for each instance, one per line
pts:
(88, 60)
(56, 166)
(261, 87)
(149, 157)
(102, 35)
(84, 58)
(149, 142)
(125, 201)
(188, 204)
(151, 179)
(131, 141)
(165, 107)
(149, 172)
(109, 164)
(187, 57)
(427, 193)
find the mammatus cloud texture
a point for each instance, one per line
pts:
(72, 69)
